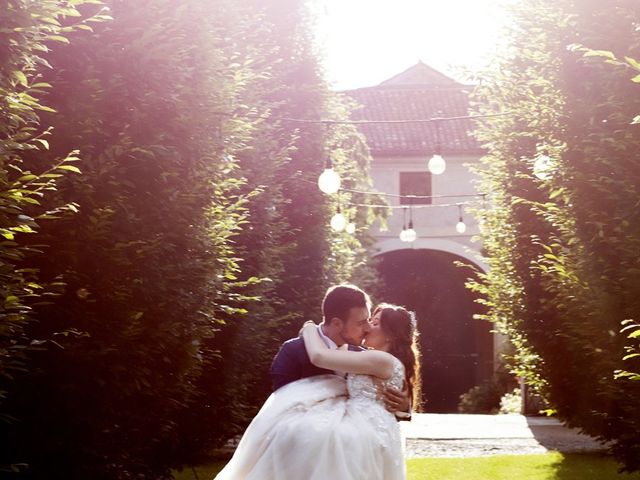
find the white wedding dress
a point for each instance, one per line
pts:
(323, 428)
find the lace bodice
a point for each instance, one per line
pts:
(366, 402)
(368, 389)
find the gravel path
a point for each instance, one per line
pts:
(471, 447)
(433, 435)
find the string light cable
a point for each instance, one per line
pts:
(395, 195)
(364, 122)
(433, 205)
(329, 182)
(340, 223)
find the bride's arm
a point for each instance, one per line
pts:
(370, 362)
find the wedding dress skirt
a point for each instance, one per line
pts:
(322, 428)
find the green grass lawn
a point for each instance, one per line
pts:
(547, 466)
(204, 472)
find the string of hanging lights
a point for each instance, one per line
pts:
(460, 226)
(408, 233)
(392, 195)
(435, 205)
(339, 223)
(329, 181)
(436, 164)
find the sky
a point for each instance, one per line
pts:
(367, 41)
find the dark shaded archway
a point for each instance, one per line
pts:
(457, 350)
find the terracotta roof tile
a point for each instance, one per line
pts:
(402, 102)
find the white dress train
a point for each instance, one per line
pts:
(323, 428)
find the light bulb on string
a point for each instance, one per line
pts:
(410, 234)
(338, 221)
(543, 166)
(403, 233)
(436, 164)
(329, 180)
(350, 228)
(460, 226)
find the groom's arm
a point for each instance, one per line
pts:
(398, 402)
(285, 367)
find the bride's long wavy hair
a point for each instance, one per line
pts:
(400, 327)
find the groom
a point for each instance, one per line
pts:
(346, 310)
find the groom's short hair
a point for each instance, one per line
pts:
(339, 299)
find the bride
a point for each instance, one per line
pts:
(329, 427)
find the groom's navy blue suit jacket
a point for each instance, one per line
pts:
(292, 363)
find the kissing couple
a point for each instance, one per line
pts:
(339, 390)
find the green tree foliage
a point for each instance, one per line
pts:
(200, 241)
(286, 240)
(633, 350)
(629, 326)
(147, 261)
(563, 230)
(29, 30)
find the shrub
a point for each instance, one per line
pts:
(511, 402)
(147, 260)
(561, 237)
(29, 31)
(484, 398)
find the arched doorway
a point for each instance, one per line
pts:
(457, 350)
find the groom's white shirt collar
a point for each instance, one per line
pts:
(330, 343)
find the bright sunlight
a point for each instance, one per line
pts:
(365, 42)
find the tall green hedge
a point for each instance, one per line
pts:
(30, 30)
(286, 240)
(562, 245)
(197, 244)
(147, 262)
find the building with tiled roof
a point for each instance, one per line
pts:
(402, 149)
(417, 93)
(422, 274)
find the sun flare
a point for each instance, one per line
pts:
(365, 42)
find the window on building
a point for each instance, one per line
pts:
(415, 183)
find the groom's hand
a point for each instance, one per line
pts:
(397, 400)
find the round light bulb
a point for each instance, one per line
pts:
(403, 235)
(350, 228)
(542, 167)
(437, 165)
(461, 227)
(329, 181)
(410, 235)
(338, 222)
